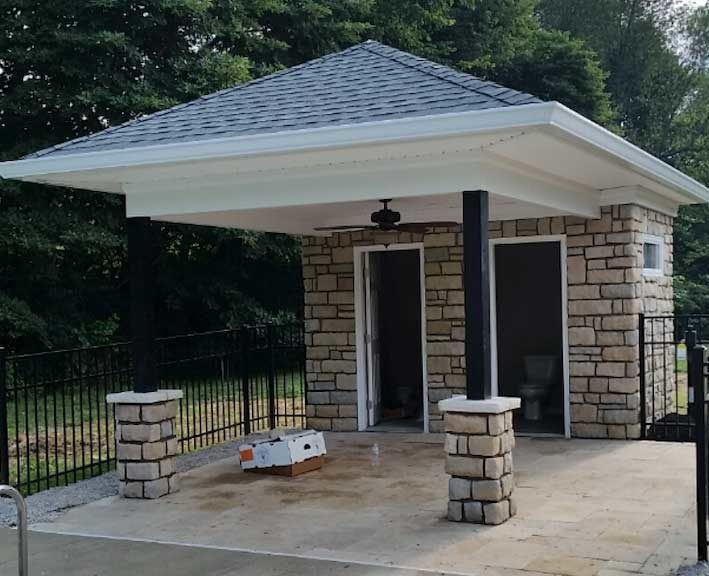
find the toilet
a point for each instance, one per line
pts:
(539, 378)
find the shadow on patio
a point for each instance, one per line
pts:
(585, 507)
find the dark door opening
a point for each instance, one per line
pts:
(529, 333)
(395, 316)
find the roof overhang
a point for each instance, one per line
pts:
(538, 154)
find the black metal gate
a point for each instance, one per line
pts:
(665, 412)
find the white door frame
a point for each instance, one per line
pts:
(361, 252)
(561, 239)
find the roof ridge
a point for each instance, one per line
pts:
(404, 56)
(181, 105)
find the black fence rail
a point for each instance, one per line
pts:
(56, 427)
(664, 389)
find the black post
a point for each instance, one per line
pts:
(696, 359)
(271, 378)
(245, 391)
(4, 438)
(476, 285)
(643, 405)
(142, 313)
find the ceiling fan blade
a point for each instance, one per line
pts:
(344, 227)
(423, 226)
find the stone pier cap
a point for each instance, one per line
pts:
(144, 397)
(494, 405)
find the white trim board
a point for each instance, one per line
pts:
(550, 117)
(561, 239)
(361, 252)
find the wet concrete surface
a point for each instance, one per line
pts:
(585, 507)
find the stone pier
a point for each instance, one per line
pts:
(479, 442)
(146, 442)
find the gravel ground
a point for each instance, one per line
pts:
(699, 569)
(48, 505)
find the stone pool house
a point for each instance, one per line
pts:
(460, 238)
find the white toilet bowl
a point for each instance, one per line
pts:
(539, 377)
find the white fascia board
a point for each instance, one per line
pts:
(548, 115)
(367, 133)
(584, 130)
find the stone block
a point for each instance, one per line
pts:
(140, 432)
(155, 488)
(606, 276)
(154, 450)
(128, 413)
(150, 413)
(620, 416)
(171, 446)
(487, 490)
(126, 451)
(576, 269)
(344, 424)
(455, 511)
(612, 369)
(508, 464)
(496, 424)
(167, 428)
(582, 336)
(590, 307)
(167, 467)
(346, 382)
(459, 488)
(495, 467)
(484, 445)
(473, 512)
(142, 470)
(464, 466)
(173, 483)
(465, 423)
(513, 505)
(130, 489)
(507, 441)
(496, 512)
(451, 444)
(508, 484)
(620, 353)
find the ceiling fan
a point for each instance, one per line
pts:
(387, 220)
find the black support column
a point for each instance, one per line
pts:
(142, 314)
(476, 284)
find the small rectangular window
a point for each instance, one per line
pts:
(652, 256)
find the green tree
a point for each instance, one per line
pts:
(75, 67)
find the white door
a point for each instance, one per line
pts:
(371, 286)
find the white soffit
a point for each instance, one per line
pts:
(547, 142)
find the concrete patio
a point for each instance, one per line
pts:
(586, 507)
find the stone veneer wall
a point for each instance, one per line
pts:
(606, 290)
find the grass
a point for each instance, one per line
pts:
(58, 438)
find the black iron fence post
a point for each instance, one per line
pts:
(271, 378)
(245, 389)
(4, 439)
(643, 403)
(696, 359)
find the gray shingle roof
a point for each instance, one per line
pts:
(365, 83)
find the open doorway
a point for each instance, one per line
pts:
(529, 303)
(393, 339)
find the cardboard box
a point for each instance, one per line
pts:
(287, 454)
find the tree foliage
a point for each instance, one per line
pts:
(71, 68)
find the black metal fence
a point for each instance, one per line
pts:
(698, 372)
(56, 427)
(664, 389)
